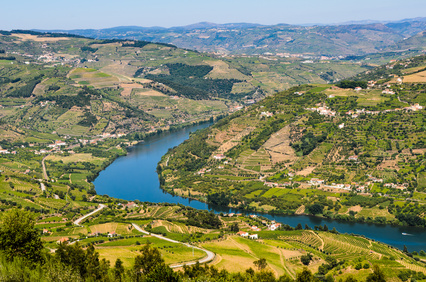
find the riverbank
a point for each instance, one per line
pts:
(134, 176)
(250, 210)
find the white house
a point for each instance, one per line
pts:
(112, 234)
(316, 181)
(253, 236)
(243, 234)
(219, 157)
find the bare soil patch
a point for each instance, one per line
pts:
(300, 210)
(417, 77)
(221, 70)
(390, 164)
(278, 146)
(150, 92)
(355, 209)
(233, 135)
(306, 171)
(37, 38)
(128, 87)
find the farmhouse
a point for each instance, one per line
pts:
(388, 91)
(271, 184)
(353, 158)
(112, 234)
(274, 226)
(62, 240)
(266, 114)
(131, 205)
(219, 157)
(253, 236)
(255, 228)
(316, 181)
(242, 234)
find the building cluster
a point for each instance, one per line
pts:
(247, 235)
(274, 184)
(45, 103)
(388, 91)
(357, 113)
(57, 144)
(266, 114)
(374, 179)
(6, 152)
(396, 186)
(100, 138)
(129, 205)
(323, 110)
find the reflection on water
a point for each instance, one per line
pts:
(134, 177)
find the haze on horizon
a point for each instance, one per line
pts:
(96, 14)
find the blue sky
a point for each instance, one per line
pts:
(48, 14)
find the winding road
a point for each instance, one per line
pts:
(77, 222)
(44, 168)
(210, 255)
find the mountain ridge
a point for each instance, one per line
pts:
(350, 38)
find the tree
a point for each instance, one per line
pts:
(284, 278)
(149, 266)
(376, 276)
(405, 249)
(18, 237)
(306, 259)
(235, 228)
(316, 209)
(299, 227)
(260, 264)
(118, 270)
(351, 279)
(305, 276)
(72, 256)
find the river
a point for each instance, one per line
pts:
(134, 177)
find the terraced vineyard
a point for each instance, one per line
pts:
(334, 147)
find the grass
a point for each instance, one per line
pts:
(88, 76)
(119, 228)
(375, 212)
(83, 157)
(419, 77)
(253, 194)
(371, 98)
(127, 250)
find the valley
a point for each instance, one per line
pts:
(274, 141)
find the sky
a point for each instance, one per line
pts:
(96, 14)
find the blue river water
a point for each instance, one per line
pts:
(134, 177)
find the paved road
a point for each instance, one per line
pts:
(210, 255)
(77, 222)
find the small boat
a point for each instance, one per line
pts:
(406, 234)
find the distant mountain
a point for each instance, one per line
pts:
(416, 42)
(350, 38)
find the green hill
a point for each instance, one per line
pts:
(314, 149)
